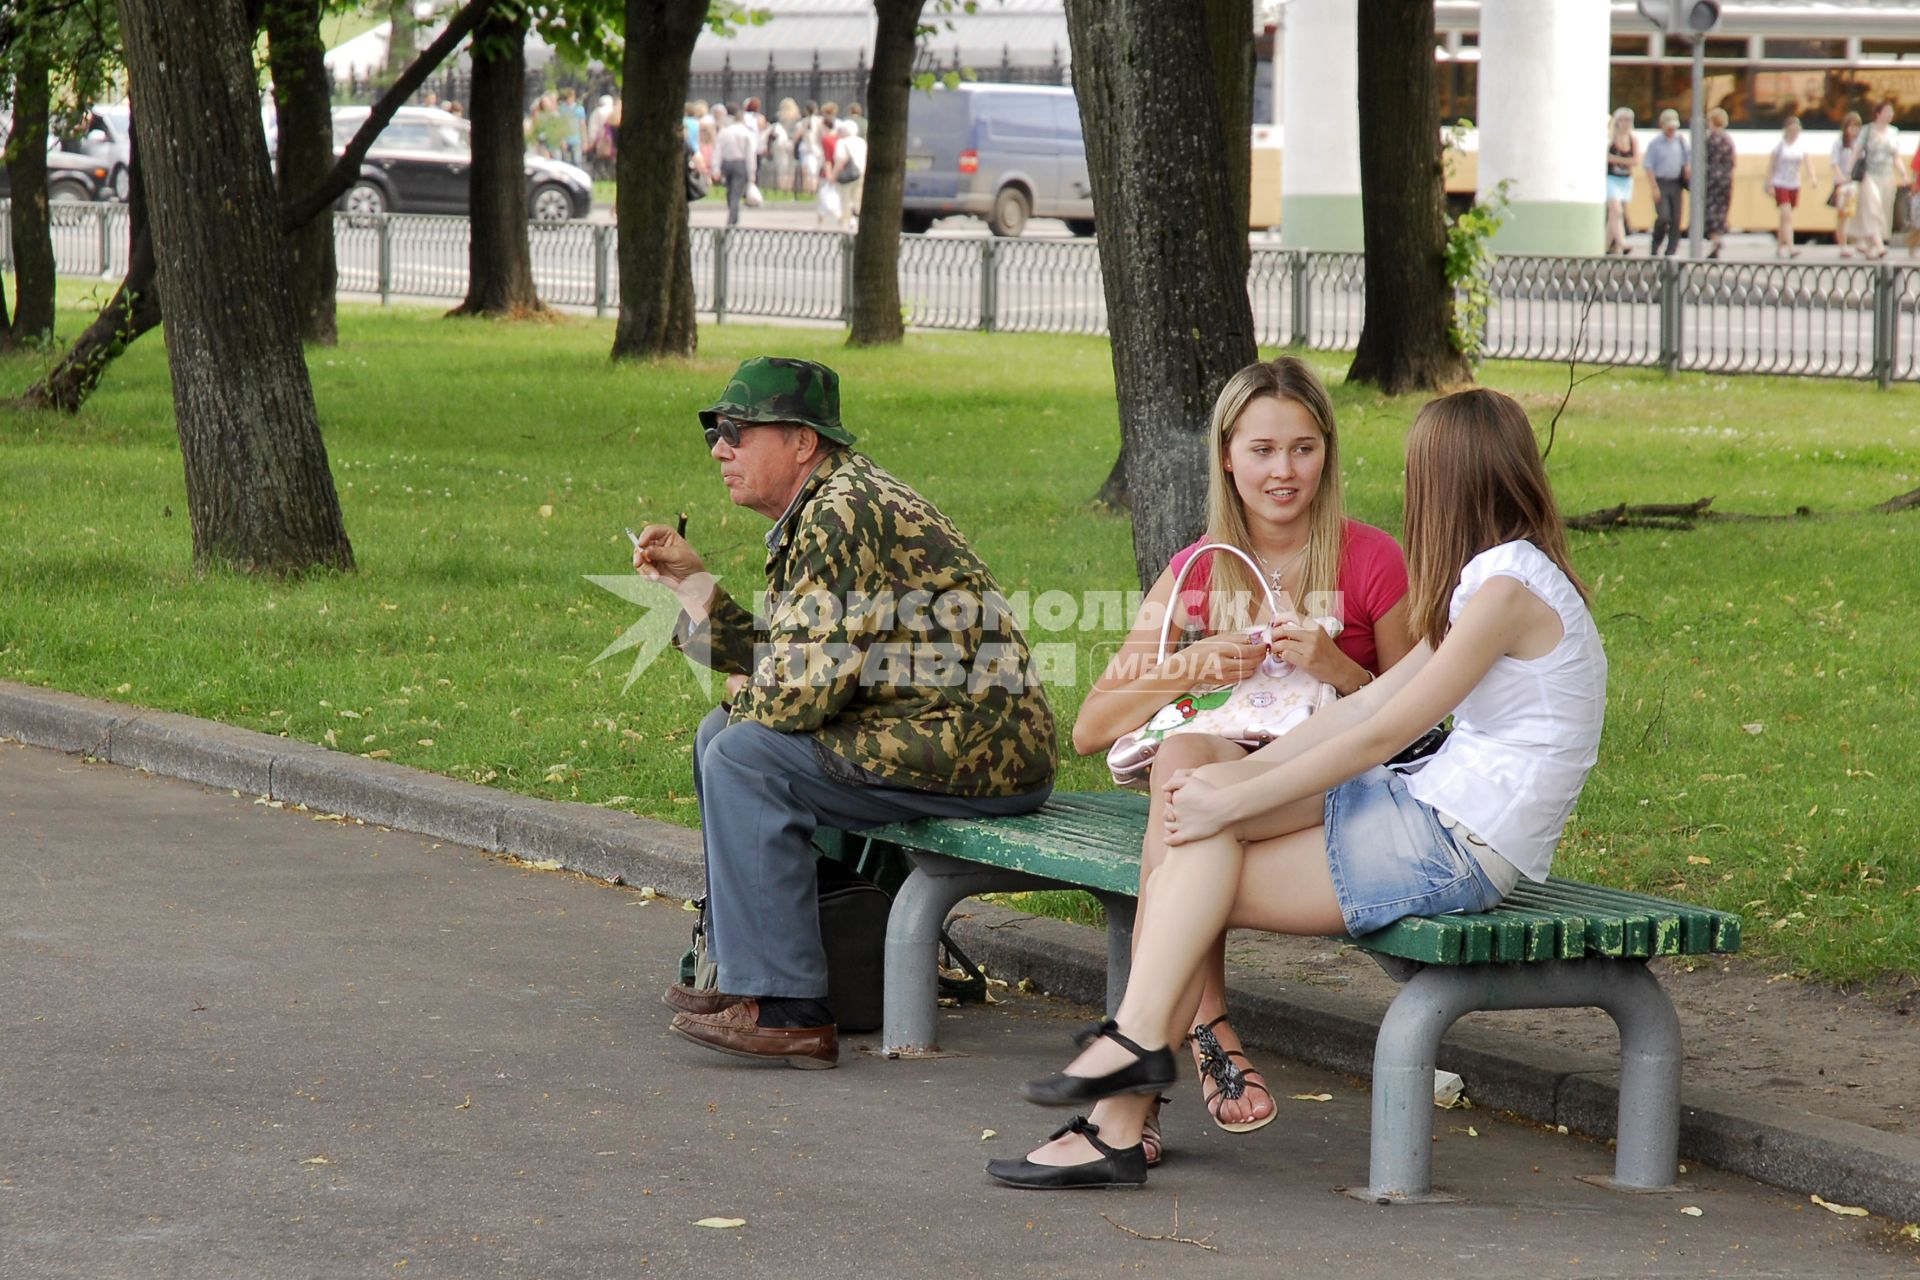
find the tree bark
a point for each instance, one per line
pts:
(34, 271)
(499, 261)
(402, 36)
(876, 245)
(260, 496)
(303, 102)
(1405, 343)
(650, 169)
(1229, 25)
(1172, 247)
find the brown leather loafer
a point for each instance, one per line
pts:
(682, 998)
(734, 1030)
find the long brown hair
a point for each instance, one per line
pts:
(1286, 378)
(1474, 481)
(1849, 129)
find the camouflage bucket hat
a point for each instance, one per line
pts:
(776, 389)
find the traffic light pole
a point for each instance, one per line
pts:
(1697, 188)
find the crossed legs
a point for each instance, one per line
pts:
(1269, 875)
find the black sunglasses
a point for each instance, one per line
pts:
(724, 429)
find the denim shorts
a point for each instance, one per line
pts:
(1391, 856)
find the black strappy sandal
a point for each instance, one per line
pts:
(1116, 1167)
(1228, 1078)
(1150, 1071)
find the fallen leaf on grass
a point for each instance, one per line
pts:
(1694, 1211)
(1313, 1097)
(721, 1224)
(1754, 728)
(316, 1160)
(1695, 860)
(1844, 1210)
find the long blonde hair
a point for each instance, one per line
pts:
(1230, 581)
(1474, 481)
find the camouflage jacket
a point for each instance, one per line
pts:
(887, 639)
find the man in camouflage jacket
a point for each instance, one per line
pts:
(887, 681)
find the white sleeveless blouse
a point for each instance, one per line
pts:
(1524, 739)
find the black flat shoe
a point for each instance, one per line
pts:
(1150, 1071)
(1126, 1167)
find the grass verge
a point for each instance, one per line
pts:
(1762, 706)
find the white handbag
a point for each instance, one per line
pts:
(1268, 703)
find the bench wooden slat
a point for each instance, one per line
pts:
(1092, 839)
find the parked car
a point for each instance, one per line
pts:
(69, 178)
(420, 164)
(108, 138)
(1002, 152)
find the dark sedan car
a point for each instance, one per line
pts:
(69, 177)
(420, 164)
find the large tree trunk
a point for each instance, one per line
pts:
(876, 246)
(650, 169)
(1172, 248)
(260, 497)
(33, 266)
(1405, 343)
(499, 262)
(402, 36)
(1229, 28)
(302, 99)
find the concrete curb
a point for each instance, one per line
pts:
(1843, 1162)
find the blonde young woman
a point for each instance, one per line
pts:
(1274, 492)
(1623, 157)
(1314, 834)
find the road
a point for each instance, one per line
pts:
(245, 1042)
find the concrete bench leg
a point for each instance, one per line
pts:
(1648, 1138)
(912, 986)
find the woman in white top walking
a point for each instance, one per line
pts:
(1879, 177)
(1313, 834)
(1791, 170)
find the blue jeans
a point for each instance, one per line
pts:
(762, 795)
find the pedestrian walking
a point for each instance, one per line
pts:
(1669, 162)
(1788, 170)
(1623, 157)
(1845, 196)
(1876, 169)
(850, 172)
(806, 146)
(1720, 160)
(738, 151)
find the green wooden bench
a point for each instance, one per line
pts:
(1558, 945)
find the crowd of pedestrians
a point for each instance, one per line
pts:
(813, 150)
(560, 127)
(1869, 181)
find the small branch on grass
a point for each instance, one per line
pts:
(1905, 502)
(1172, 1236)
(1573, 361)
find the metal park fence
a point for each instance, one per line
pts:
(1830, 320)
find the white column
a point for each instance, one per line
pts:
(1543, 121)
(1320, 104)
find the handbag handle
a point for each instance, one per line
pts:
(1166, 622)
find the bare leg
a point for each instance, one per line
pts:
(1616, 227)
(1280, 884)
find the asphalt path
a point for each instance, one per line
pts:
(251, 1042)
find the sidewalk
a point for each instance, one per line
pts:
(248, 1043)
(1797, 1085)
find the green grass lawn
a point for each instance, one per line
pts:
(1762, 720)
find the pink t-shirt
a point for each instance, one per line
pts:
(1373, 578)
